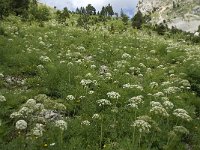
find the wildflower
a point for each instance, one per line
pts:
(85, 122)
(168, 105)
(93, 66)
(113, 95)
(38, 106)
(2, 98)
(126, 56)
(154, 104)
(21, 125)
(103, 102)
(40, 67)
(96, 116)
(153, 85)
(143, 126)
(183, 114)
(38, 130)
(137, 100)
(1, 75)
(30, 103)
(15, 115)
(52, 144)
(172, 90)
(88, 75)
(103, 69)
(45, 59)
(133, 105)
(158, 94)
(85, 82)
(159, 111)
(91, 92)
(61, 124)
(70, 97)
(180, 129)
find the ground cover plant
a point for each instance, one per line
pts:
(67, 87)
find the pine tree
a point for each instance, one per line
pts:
(137, 20)
(90, 10)
(20, 6)
(110, 10)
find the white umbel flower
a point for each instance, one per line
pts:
(2, 98)
(70, 97)
(96, 116)
(159, 111)
(61, 124)
(142, 126)
(85, 122)
(113, 95)
(183, 114)
(168, 105)
(103, 102)
(21, 125)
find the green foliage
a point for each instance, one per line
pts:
(125, 19)
(137, 20)
(62, 15)
(4, 8)
(83, 21)
(90, 10)
(161, 28)
(20, 6)
(2, 30)
(40, 13)
(76, 68)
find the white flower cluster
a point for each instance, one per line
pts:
(103, 102)
(21, 125)
(70, 97)
(103, 69)
(86, 83)
(136, 100)
(158, 94)
(180, 129)
(158, 109)
(96, 116)
(172, 90)
(126, 56)
(168, 105)
(131, 86)
(45, 59)
(2, 98)
(81, 48)
(183, 114)
(186, 84)
(85, 122)
(61, 124)
(38, 130)
(133, 105)
(142, 126)
(113, 95)
(153, 85)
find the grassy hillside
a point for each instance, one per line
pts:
(77, 89)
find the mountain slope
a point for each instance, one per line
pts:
(184, 15)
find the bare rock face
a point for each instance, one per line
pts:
(183, 14)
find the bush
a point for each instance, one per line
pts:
(40, 13)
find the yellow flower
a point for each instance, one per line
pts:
(45, 145)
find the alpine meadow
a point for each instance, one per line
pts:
(85, 79)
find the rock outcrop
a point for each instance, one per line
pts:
(183, 14)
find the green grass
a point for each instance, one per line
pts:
(71, 52)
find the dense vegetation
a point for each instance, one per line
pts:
(71, 80)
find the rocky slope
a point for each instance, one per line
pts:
(183, 14)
